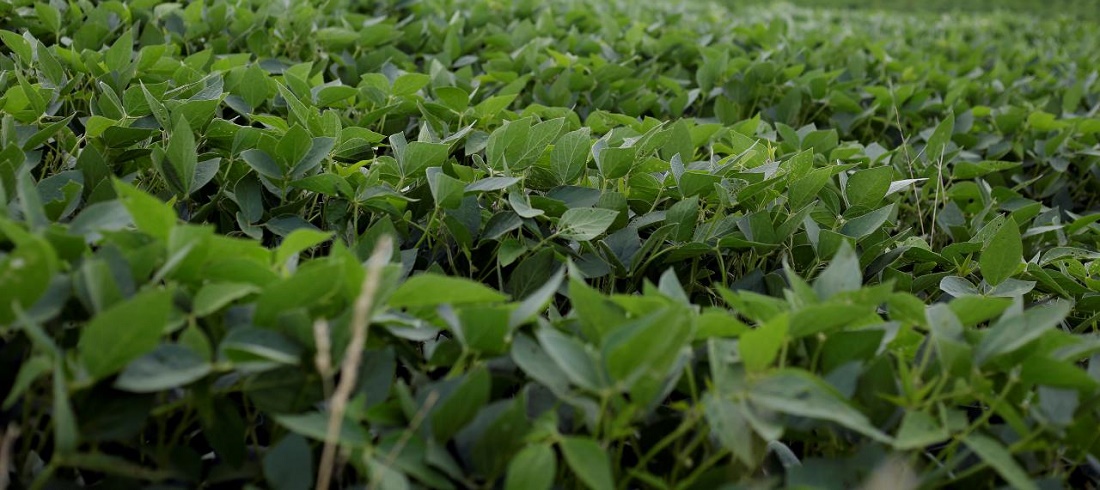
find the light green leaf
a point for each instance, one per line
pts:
(298, 241)
(25, 272)
(760, 346)
(214, 296)
(447, 191)
(842, 274)
(919, 429)
(1002, 253)
(730, 426)
(251, 347)
(124, 332)
(182, 156)
(419, 155)
(583, 224)
(66, 435)
(430, 289)
(1015, 330)
(29, 372)
(410, 83)
(569, 157)
(532, 468)
(994, 454)
(867, 224)
(940, 139)
(537, 301)
(460, 406)
(640, 356)
(589, 462)
(802, 394)
(572, 358)
(169, 366)
(314, 425)
(151, 215)
(387, 476)
(615, 163)
(866, 188)
(492, 184)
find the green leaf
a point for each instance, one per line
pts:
(994, 454)
(492, 184)
(484, 329)
(419, 155)
(182, 156)
(940, 139)
(508, 143)
(799, 393)
(866, 188)
(124, 332)
(1015, 330)
(18, 45)
(289, 464)
(640, 356)
(461, 406)
(151, 215)
(387, 476)
(569, 157)
(532, 468)
(255, 87)
(614, 163)
(492, 105)
(314, 425)
(1002, 253)
(583, 224)
(842, 274)
(169, 366)
(729, 424)
(298, 241)
(598, 315)
(216, 295)
(313, 283)
(430, 289)
(919, 429)
(292, 148)
(256, 348)
(760, 346)
(262, 163)
(319, 149)
(447, 191)
(410, 83)
(684, 215)
(537, 301)
(29, 372)
(588, 461)
(867, 224)
(65, 433)
(805, 189)
(25, 272)
(324, 183)
(536, 363)
(572, 358)
(121, 52)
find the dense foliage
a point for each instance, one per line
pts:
(617, 245)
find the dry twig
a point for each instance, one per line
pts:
(6, 441)
(353, 356)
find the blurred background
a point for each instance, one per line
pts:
(1086, 9)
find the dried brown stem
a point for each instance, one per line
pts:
(323, 359)
(353, 356)
(6, 441)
